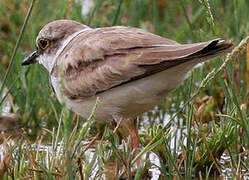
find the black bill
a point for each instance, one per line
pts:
(31, 59)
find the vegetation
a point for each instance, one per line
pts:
(199, 131)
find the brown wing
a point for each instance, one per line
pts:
(108, 57)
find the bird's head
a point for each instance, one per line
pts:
(51, 41)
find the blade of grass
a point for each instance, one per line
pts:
(17, 45)
(187, 19)
(117, 13)
(93, 12)
(210, 17)
(85, 127)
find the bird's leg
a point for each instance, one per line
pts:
(131, 126)
(117, 127)
(128, 127)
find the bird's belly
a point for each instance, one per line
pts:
(131, 99)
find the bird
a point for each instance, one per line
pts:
(129, 70)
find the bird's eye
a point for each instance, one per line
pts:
(43, 43)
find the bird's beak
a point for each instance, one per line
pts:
(31, 59)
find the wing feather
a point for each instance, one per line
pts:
(108, 57)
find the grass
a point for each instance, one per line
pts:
(208, 114)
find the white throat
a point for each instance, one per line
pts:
(49, 61)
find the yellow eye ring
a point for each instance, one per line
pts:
(43, 43)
